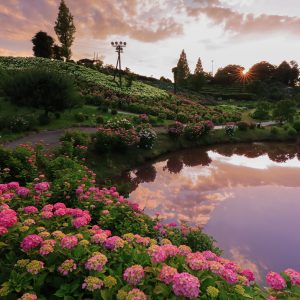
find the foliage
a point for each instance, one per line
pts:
(296, 125)
(229, 129)
(243, 126)
(42, 89)
(228, 75)
(262, 111)
(42, 45)
(194, 131)
(76, 138)
(65, 29)
(284, 110)
(262, 71)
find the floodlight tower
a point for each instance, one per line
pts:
(119, 46)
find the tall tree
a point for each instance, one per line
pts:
(263, 71)
(56, 52)
(183, 70)
(65, 29)
(42, 45)
(199, 67)
(228, 75)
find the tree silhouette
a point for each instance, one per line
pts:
(42, 45)
(56, 52)
(65, 29)
(183, 70)
(199, 67)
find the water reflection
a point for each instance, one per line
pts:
(246, 196)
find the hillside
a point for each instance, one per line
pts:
(88, 80)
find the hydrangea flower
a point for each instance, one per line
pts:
(69, 242)
(166, 274)
(136, 294)
(134, 274)
(275, 280)
(30, 242)
(293, 275)
(230, 276)
(96, 262)
(35, 266)
(92, 283)
(196, 261)
(68, 266)
(28, 296)
(185, 284)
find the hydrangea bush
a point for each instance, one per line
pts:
(53, 251)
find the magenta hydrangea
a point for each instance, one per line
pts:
(248, 274)
(23, 192)
(134, 274)
(30, 242)
(8, 217)
(186, 285)
(275, 280)
(41, 187)
(30, 210)
(293, 275)
(3, 230)
(230, 276)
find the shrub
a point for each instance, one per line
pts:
(79, 117)
(76, 138)
(252, 126)
(292, 132)
(44, 119)
(147, 138)
(176, 130)
(194, 131)
(243, 126)
(229, 129)
(42, 89)
(183, 118)
(114, 111)
(108, 139)
(118, 123)
(99, 120)
(274, 130)
(21, 123)
(296, 125)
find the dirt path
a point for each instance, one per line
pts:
(49, 138)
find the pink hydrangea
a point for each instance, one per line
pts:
(157, 254)
(134, 275)
(47, 214)
(170, 250)
(294, 276)
(136, 294)
(230, 276)
(186, 285)
(8, 218)
(30, 242)
(30, 210)
(166, 274)
(184, 250)
(68, 266)
(142, 240)
(275, 280)
(99, 238)
(69, 242)
(60, 212)
(13, 185)
(28, 296)
(59, 205)
(3, 230)
(196, 261)
(41, 186)
(248, 274)
(48, 207)
(114, 243)
(215, 267)
(79, 222)
(209, 255)
(96, 262)
(23, 192)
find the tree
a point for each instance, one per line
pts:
(65, 29)
(263, 71)
(285, 110)
(56, 52)
(183, 70)
(41, 88)
(229, 74)
(42, 45)
(199, 68)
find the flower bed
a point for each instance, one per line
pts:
(51, 251)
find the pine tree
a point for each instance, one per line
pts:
(183, 70)
(42, 45)
(65, 29)
(199, 68)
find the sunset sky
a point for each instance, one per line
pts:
(227, 31)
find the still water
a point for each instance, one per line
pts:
(246, 196)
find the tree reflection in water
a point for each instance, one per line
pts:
(174, 162)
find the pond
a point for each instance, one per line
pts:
(246, 196)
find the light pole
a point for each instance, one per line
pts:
(119, 49)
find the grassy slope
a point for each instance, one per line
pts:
(83, 74)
